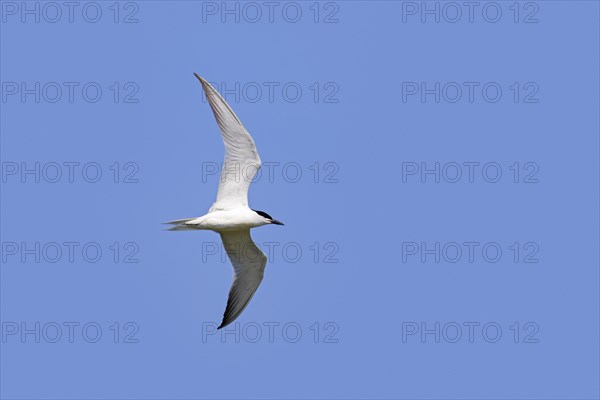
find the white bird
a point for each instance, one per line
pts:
(230, 215)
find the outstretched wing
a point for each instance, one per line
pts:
(241, 157)
(248, 270)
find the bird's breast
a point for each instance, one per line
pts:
(228, 220)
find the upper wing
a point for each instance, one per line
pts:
(241, 157)
(248, 269)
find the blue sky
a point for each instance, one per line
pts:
(435, 164)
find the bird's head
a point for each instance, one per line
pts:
(268, 218)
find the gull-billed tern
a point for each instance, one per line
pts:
(230, 215)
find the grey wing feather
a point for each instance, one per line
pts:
(241, 157)
(248, 269)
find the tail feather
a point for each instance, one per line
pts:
(178, 221)
(180, 225)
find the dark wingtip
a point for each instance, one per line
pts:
(205, 85)
(202, 81)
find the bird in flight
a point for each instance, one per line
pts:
(230, 215)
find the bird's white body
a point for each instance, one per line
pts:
(228, 220)
(230, 214)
